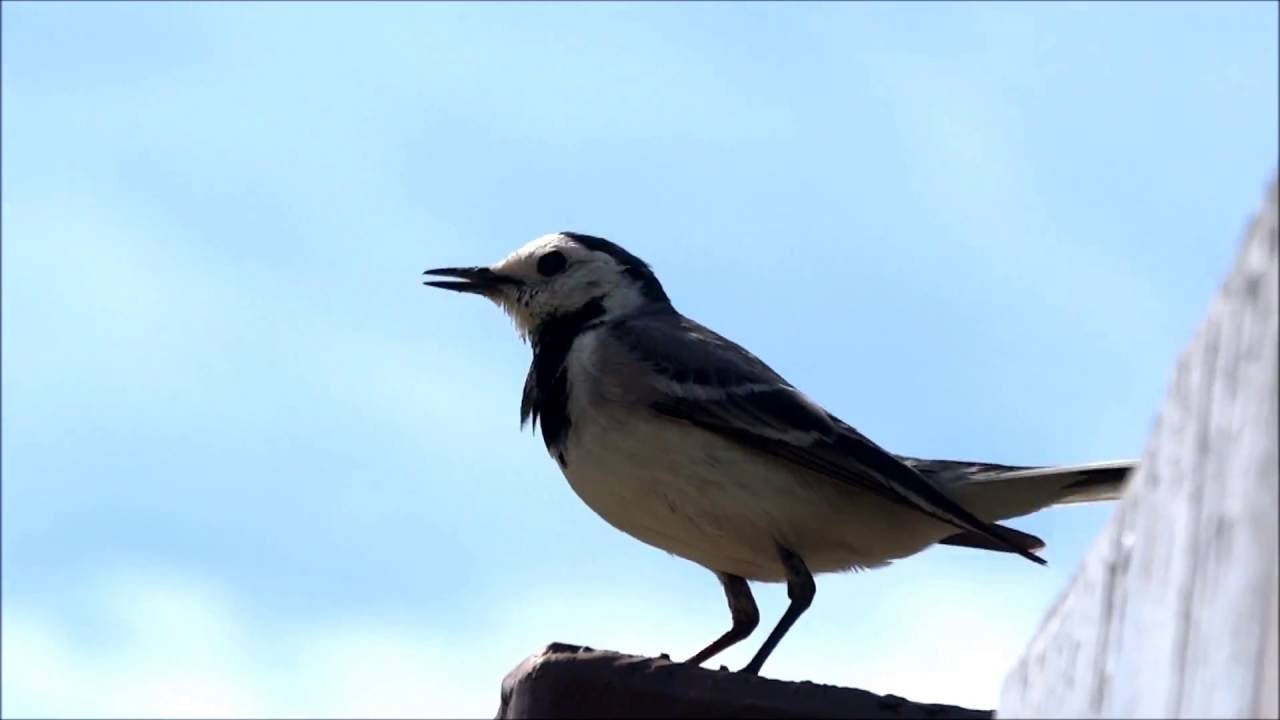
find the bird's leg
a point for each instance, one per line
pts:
(742, 607)
(800, 589)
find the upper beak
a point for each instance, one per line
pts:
(478, 280)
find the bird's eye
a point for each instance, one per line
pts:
(552, 263)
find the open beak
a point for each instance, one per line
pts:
(478, 280)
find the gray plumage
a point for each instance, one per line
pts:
(688, 442)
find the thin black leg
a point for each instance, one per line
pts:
(745, 617)
(800, 589)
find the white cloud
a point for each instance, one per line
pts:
(179, 648)
(954, 651)
(164, 645)
(176, 657)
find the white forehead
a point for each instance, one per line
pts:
(537, 246)
(527, 255)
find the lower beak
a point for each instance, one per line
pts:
(478, 280)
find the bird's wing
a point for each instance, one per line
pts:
(704, 379)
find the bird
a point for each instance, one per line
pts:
(686, 441)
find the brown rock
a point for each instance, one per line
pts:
(568, 681)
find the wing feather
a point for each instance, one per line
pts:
(712, 383)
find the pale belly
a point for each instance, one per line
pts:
(706, 499)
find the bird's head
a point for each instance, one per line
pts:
(558, 275)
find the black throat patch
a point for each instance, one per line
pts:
(546, 387)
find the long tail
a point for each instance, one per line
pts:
(998, 492)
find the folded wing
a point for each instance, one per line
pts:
(708, 381)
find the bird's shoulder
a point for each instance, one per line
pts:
(685, 351)
(682, 369)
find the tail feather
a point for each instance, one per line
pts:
(1099, 481)
(999, 492)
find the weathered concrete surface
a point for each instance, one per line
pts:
(568, 681)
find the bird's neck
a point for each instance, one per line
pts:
(546, 388)
(555, 335)
(560, 330)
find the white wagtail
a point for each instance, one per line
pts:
(686, 441)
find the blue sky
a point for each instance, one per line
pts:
(252, 467)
